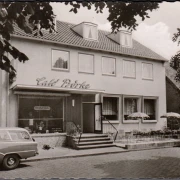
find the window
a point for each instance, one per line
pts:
(147, 71)
(19, 135)
(150, 108)
(90, 32)
(41, 114)
(108, 66)
(60, 60)
(129, 69)
(125, 39)
(131, 105)
(86, 63)
(4, 135)
(110, 108)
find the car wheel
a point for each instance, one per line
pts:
(11, 161)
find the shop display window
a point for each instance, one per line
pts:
(41, 114)
(110, 108)
(150, 108)
(130, 106)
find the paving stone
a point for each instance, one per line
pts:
(155, 163)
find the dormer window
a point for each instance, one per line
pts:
(87, 30)
(123, 38)
(126, 39)
(90, 31)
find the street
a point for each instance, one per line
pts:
(157, 163)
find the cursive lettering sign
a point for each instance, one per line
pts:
(66, 83)
(44, 82)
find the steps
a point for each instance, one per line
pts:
(90, 141)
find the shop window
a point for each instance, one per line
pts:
(147, 71)
(131, 105)
(108, 66)
(86, 63)
(150, 108)
(41, 115)
(60, 60)
(110, 108)
(129, 69)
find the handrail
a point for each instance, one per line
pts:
(79, 130)
(114, 128)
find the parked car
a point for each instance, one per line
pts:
(15, 144)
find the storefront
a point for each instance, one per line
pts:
(47, 109)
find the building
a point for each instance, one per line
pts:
(172, 95)
(79, 74)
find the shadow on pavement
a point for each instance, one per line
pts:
(19, 167)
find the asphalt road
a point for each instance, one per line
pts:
(157, 163)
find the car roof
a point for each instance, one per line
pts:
(12, 128)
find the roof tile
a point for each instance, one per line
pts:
(66, 35)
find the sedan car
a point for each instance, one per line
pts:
(15, 144)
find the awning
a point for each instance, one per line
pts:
(34, 88)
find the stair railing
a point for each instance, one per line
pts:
(112, 126)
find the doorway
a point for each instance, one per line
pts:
(92, 117)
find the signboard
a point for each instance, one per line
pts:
(42, 108)
(66, 83)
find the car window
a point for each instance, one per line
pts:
(19, 135)
(4, 135)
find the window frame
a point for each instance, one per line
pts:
(144, 78)
(131, 40)
(139, 107)
(40, 97)
(119, 109)
(60, 69)
(107, 74)
(125, 76)
(90, 24)
(156, 108)
(79, 63)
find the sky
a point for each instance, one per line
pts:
(155, 32)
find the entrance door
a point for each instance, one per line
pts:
(98, 118)
(92, 122)
(88, 118)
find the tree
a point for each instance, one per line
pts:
(121, 14)
(31, 17)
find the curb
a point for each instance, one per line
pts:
(86, 155)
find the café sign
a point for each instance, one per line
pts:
(66, 83)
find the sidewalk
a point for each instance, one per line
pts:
(62, 152)
(65, 152)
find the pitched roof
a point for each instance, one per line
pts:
(170, 74)
(65, 35)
